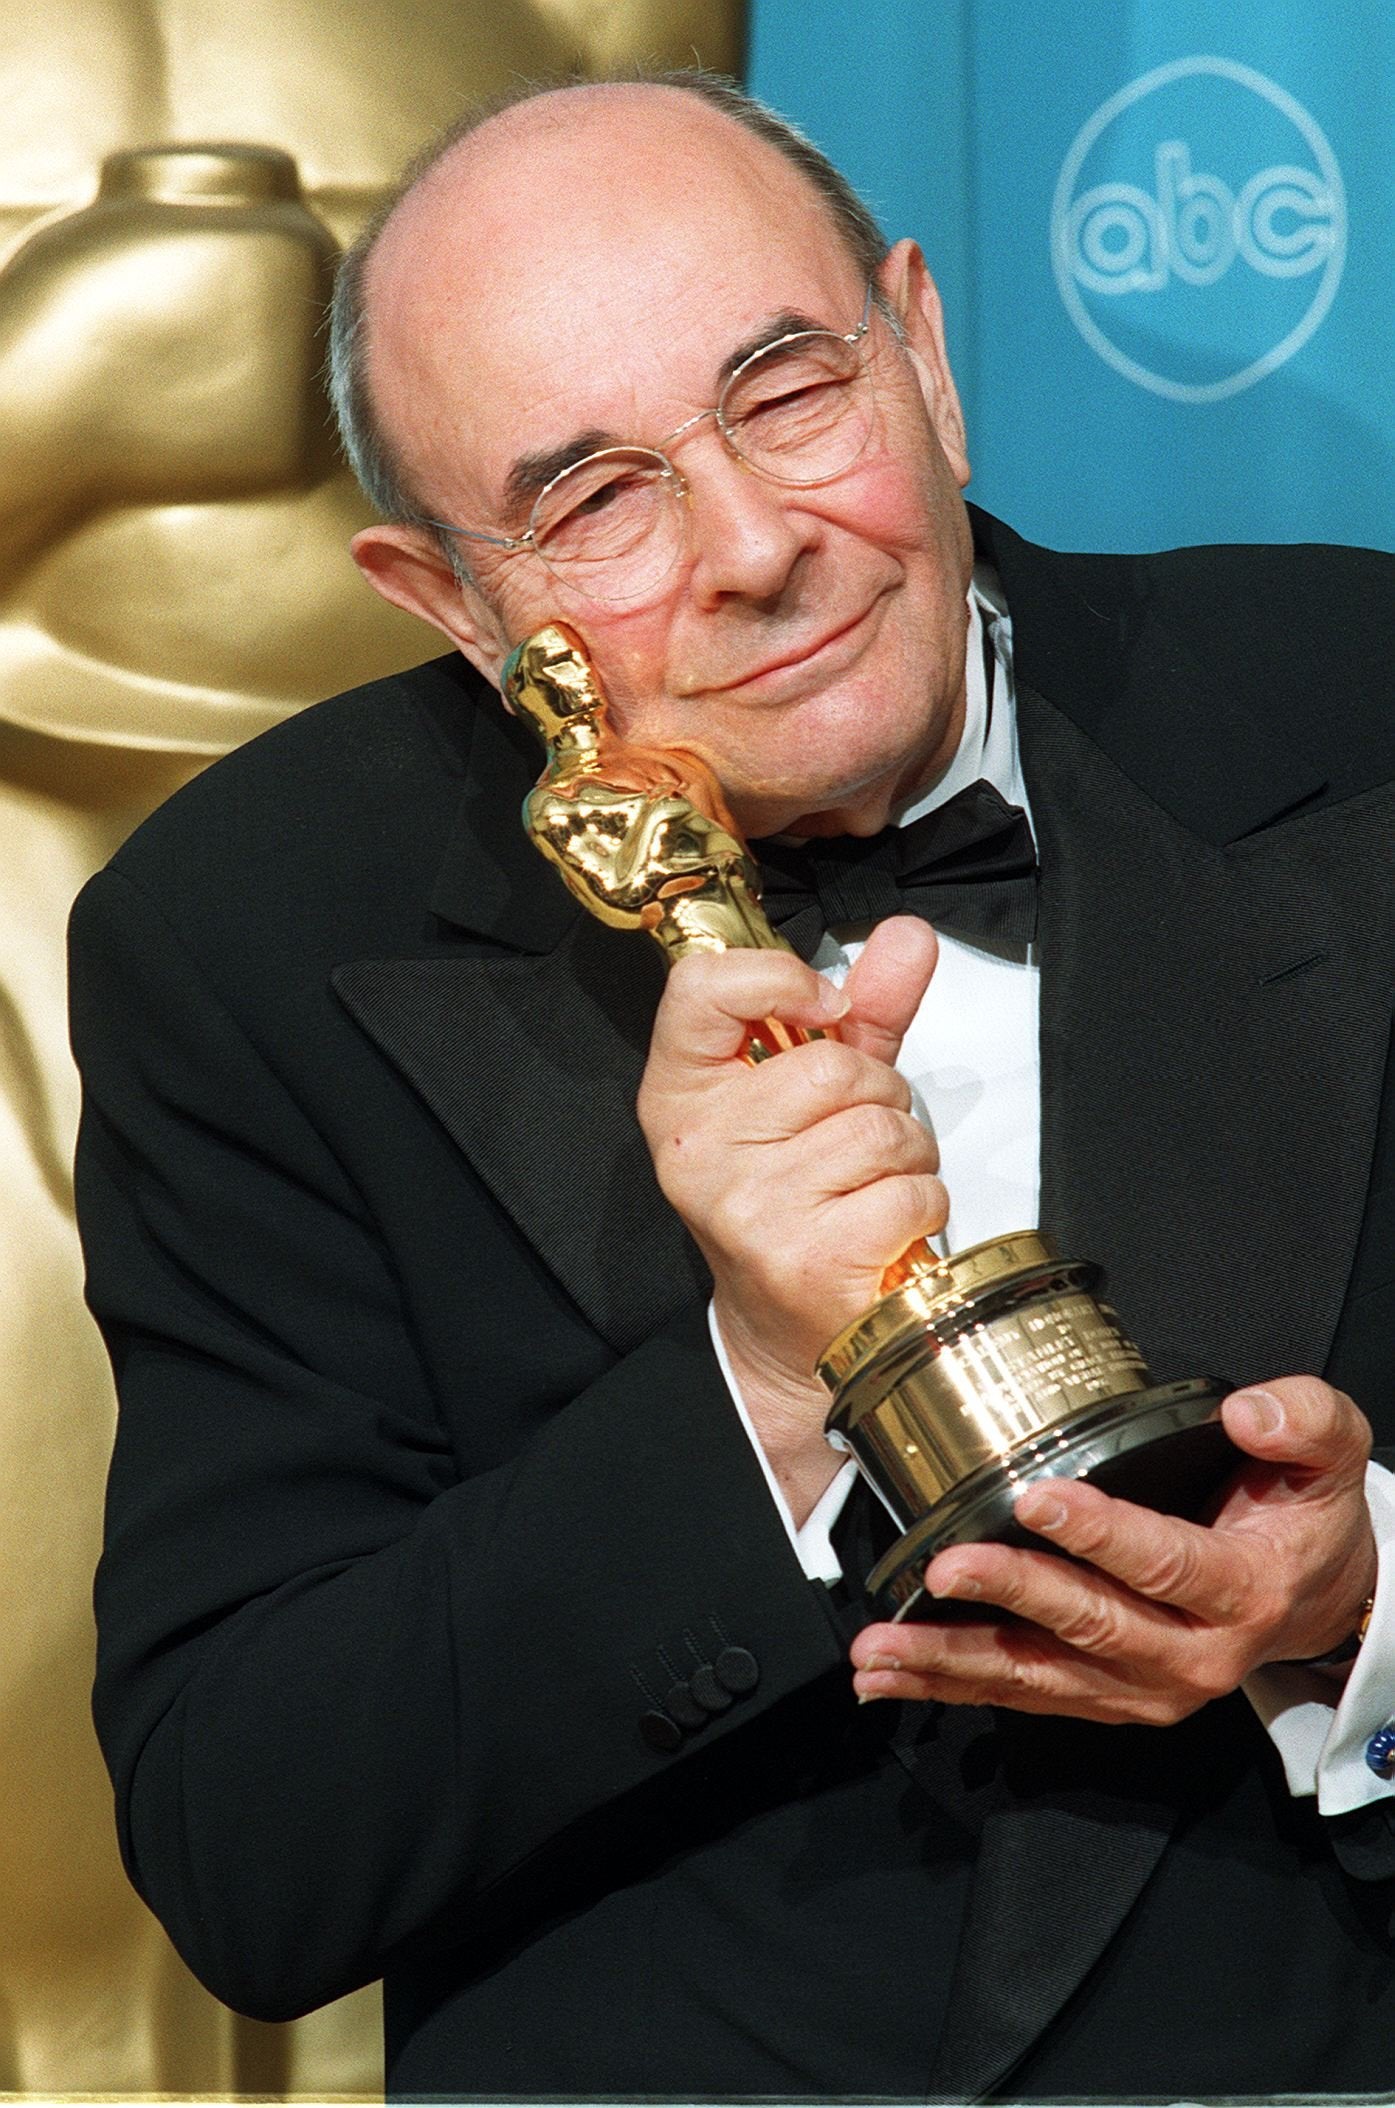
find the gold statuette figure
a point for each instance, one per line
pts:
(969, 1376)
(641, 835)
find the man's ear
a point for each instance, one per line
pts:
(914, 297)
(406, 565)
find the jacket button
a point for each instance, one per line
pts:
(661, 1733)
(737, 1670)
(708, 1692)
(680, 1705)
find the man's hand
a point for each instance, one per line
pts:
(800, 1179)
(1159, 1615)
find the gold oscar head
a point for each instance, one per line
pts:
(549, 680)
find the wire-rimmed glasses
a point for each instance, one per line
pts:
(799, 411)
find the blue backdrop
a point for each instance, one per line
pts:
(1165, 235)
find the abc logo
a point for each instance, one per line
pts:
(1198, 229)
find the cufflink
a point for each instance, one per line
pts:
(1380, 1750)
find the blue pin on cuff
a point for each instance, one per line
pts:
(1380, 1750)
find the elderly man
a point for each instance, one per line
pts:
(479, 1582)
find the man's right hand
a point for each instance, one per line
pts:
(800, 1179)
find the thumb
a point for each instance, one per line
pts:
(885, 988)
(1298, 1420)
(704, 1015)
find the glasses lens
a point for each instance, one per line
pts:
(800, 411)
(611, 526)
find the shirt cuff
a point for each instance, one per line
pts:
(812, 1542)
(1320, 1727)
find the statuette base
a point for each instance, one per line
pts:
(996, 1366)
(1164, 1448)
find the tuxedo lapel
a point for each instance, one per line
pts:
(1205, 1003)
(529, 1047)
(1055, 1876)
(1207, 1006)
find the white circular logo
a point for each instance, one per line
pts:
(1198, 229)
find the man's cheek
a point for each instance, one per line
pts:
(891, 509)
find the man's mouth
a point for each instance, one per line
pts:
(782, 675)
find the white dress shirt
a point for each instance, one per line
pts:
(972, 1060)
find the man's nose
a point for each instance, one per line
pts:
(745, 533)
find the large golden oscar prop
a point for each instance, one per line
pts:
(176, 180)
(970, 1376)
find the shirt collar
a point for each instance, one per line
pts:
(987, 749)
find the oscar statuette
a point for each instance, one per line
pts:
(970, 1376)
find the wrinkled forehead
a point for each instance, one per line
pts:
(588, 269)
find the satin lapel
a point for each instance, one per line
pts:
(1214, 1029)
(532, 1066)
(1201, 1007)
(1060, 1864)
(529, 1050)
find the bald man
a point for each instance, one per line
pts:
(479, 1584)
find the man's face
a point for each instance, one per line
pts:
(808, 642)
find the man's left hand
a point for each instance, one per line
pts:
(1152, 1616)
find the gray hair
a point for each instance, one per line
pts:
(367, 446)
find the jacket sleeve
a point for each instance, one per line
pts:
(351, 1688)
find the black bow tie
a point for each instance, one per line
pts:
(970, 867)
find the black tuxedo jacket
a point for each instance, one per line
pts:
(448, 1632)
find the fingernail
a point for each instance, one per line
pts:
(832, 1001)
(880, 1661)
(1265, 1409)
(1040, 1511)
(962, 1585)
